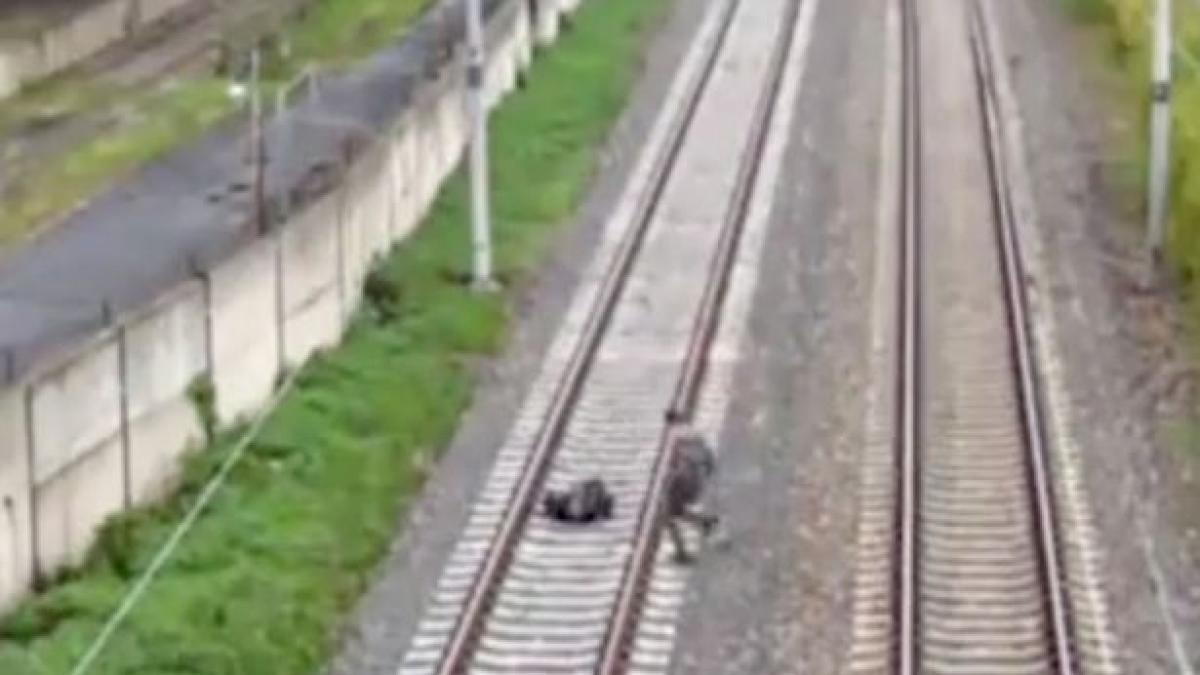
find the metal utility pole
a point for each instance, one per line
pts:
(1160, 132)
(481, 226)
(281, 154)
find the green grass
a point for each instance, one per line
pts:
(1090, 10)
(1125, 26)
(261, 584)
(330, 33)
(163, 121)
(336, 31)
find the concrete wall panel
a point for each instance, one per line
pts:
(149, 11)
(448, 124)
(503, 51)
(16, 549)
(71, 505)
(313, 325)
(438, 152)
(17, 60)
(547, 21)
(78, 452)
(443, 150)
(83, 35)
(166, 351)
(368, 212)
(76, 408)
(311, 291)
(380, 204)
(310, 252)
(404, 160)
(158, 441)
(512, 54)
(245, 341)
(454, 127)
(78, 37)
(427, 156)
(356, 252)
(525, 38)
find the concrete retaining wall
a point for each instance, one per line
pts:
(149, 11)
(312, 303)
(77, 37)
(367, 215)
(165, 352)
(78, 454)
(245, 331)
(16, 535)
(104, 427)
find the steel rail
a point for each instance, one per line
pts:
(910, 383)
(469, 626)
(622, 627)
(1021, 345)
(906, 565)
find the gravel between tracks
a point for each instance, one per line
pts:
(777, 600)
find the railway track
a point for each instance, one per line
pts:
(963, 525)
(524, 594)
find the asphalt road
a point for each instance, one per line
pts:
(148, 233)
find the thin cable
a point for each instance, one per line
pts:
(164, 554)
(1187, 58)
(1180, 49)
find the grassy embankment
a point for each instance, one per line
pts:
(154, 122)
(1127, 26)
(261, 583)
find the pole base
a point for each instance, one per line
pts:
(486, 285)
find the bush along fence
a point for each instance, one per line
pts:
(105, 425)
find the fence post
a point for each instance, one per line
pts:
(197, 270)
(37, 571)
(123, 401)
(341, 211)
(258, 144)
(1160, 133)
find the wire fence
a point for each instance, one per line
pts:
(72, 315)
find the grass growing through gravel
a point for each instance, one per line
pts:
(331, 32)
(1126, 27)
(260, 585)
